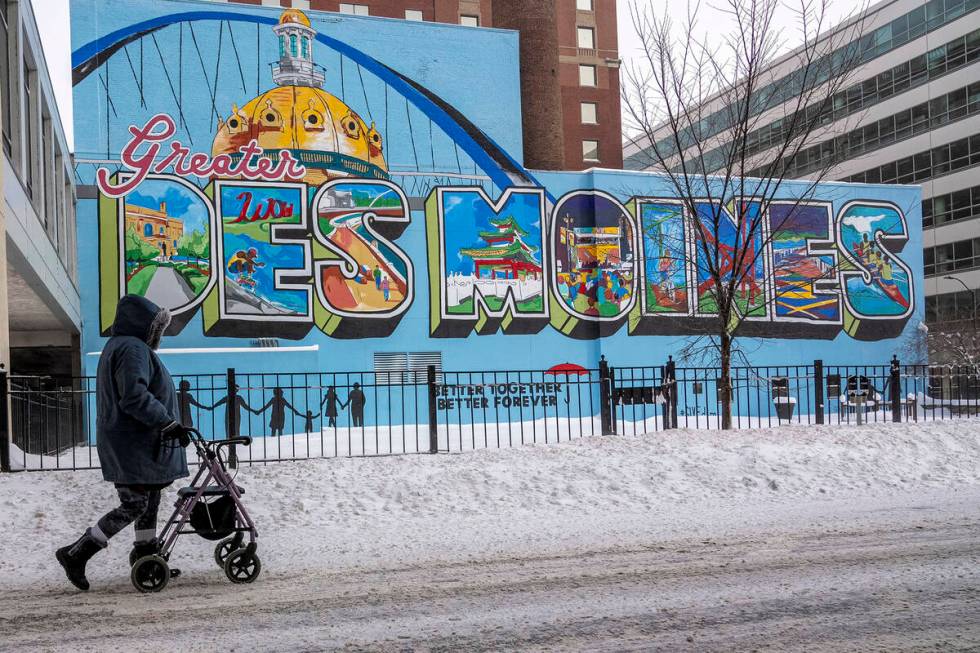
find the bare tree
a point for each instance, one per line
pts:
(956, 345)
(700, 107)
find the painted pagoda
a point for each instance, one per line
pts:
(506, 255)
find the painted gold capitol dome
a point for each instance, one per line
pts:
(318, 129)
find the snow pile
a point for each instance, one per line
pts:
(383, 511)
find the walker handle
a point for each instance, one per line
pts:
(243, 440)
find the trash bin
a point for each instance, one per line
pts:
(785, 406)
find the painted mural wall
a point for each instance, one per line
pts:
(352, 185)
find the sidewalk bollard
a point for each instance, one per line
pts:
(895, 389)
(818, 396)
(433, 414)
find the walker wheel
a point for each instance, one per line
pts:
(150, 574)
(224, 548)
(241, 566)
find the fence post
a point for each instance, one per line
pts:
(4, 420)
(605, 396)
(670, 382)
(818, 391)
(895, 388)
(433, 413)
(231, 416)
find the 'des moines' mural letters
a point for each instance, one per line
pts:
(331, 179)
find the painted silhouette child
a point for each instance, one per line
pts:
(329, 406)
(308, 417)
(278, 403)
(386, 288)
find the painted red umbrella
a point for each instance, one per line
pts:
(566, 368)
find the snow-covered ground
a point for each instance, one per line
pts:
(345, 516)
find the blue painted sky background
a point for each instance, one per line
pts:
(467, 215)
(181, 202)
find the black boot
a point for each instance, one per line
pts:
(149, 548)
(74, 557)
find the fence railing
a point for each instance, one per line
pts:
(48, 424)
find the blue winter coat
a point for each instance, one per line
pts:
(136, 399)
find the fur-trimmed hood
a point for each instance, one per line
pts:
(138, 317)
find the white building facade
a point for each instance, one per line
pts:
(910, 115)
(40, 310)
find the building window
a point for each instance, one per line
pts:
(292, 45)
(589, 113)
(939, 161)
(950, 306)
(30, 140)
(590, 150)
(413, 14)
(47, 169)
(583, 5)
(586, 75)
(952, 257)
(357, 10)
(942, 110)
(147, 230)
(951, 207)
(469, 21)
(5, 77)
(914, 72)
(586, 38)
(305, 51)
(282, 45)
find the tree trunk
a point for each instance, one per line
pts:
(725, 381)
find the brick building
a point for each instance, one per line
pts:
(155, 227)
(569, 68)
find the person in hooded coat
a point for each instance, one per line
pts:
(139, 438)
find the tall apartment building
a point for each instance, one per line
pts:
(569, 68)
(40, 311)
(910, 116)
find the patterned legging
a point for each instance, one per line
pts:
(137, 503)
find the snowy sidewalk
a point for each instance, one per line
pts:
(846, 539)
(347, 513)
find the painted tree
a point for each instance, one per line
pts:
(726, 117)
(138, 250)
(194, 245)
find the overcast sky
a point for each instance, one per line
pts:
(55, 35)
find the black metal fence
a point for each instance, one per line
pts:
(339, 414)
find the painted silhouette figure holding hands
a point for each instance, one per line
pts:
(184, 402)
(329, 406)
(356, 402)
(233, 415)
(278, 403)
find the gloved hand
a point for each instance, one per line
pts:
(178, 432)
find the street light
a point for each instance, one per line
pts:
(973, 294)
